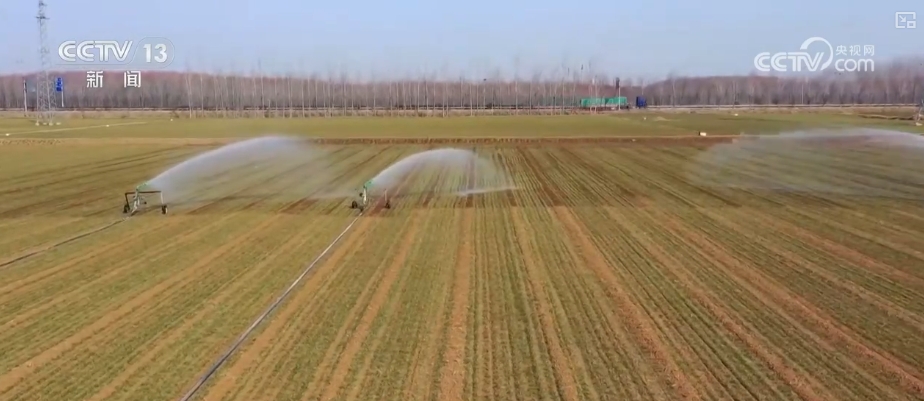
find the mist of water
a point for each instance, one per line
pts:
(456, 164)
(854, 162)
(485, 190)
(220, 171)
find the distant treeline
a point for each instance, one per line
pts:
(899, 82)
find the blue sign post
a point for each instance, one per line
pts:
(59, 87)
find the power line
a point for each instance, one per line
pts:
(45, 110)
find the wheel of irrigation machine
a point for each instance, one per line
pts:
(388, 204)
(126, 208)
(163, 209)
(353, 205)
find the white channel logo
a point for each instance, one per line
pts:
(806, 61)
(148, 53)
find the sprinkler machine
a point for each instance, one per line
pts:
(363, 201)
(137, 201)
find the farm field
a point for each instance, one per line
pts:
(609, 274)
(628, 124)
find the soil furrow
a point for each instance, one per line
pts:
(161, 345)
(103, 166)
(333, 387)
(133, 164)
(874, 298)
(123, 341)
(138, 301)
(842, 335)
(77, 289)
(425, 366)
(453, 373)
(696, 348)
(731, 267)
(481, 367)
(290, 350)
(640, 325)
(806, 386)
(564, 371)
(351, 336)
(399, 340)
(234, 376)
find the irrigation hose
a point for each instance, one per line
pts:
(243, 337)
(66, 241)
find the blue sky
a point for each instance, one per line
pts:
(404, 37)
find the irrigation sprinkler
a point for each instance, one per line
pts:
(137, 201)
(363, 200)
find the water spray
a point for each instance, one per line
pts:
(385, 183)
(363, 201)
(826, 162)
(229, 164)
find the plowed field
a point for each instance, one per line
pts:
(608, 275)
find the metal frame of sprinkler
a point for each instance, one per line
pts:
(139, 201)
(45, 111)
(363, 201)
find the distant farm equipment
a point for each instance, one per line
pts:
(609, 103)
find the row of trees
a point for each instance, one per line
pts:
(899, 82)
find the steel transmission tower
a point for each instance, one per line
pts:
(45, 98)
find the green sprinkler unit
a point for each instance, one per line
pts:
(363, 201)
(137, 201)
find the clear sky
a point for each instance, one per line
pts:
(403, 37)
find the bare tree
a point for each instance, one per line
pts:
(235, 94)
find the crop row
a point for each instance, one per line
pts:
(609, 274)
